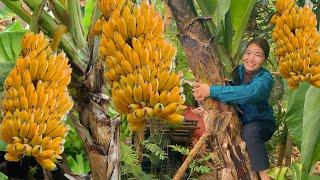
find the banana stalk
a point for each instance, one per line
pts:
(76, 28)
(79, 58)
(35, 17)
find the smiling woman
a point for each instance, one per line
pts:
(251, 91)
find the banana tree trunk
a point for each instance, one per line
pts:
(99, 133)
(221, 119)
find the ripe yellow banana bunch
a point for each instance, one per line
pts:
(282, 5)
(297, 43)
(35, 101)
(108, 6)
(31, 42)
(138, 66)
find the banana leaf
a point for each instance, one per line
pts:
(10, 48)
(240, 13)
(310, 147)
(87, 18)
(294, 114)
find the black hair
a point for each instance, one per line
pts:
(263, 44)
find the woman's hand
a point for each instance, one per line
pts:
(201, 91)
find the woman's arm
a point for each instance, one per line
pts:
(258, 90)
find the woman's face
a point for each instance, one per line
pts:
(253, 58)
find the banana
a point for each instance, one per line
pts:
(136, 126)
(140, 25)
(24, 130)
(45, 142)
(12, 157)
(47, 164)
(127, 51)
(137, 46)
(147, 89)
(155, 84)
(158, 109)
(24, 102)
(139, 114)
(16, 128)
(61, 131)
(144, 57)
(159, 27)
(164, 97)
(163, 78)
(154, 98)
(122, 27)
(175, 119)
(169, 109)
(173, 80)
(119, 106)
(36, 140)
(134, 60)
(126, 66)
(133, 107)
(33, 130)
(146, 72)
(46, 154)
(119, 40)
(132, 25)
(148, 111)
(137, 93)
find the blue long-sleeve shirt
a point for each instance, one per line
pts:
(252, 97)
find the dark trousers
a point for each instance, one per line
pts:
(255, 133)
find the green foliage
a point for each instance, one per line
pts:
(10, 48)
(87, 18)
(3, 146)
(154, 149)
(6, 13)
(310, 146)
(3, 176)
(293, 172)
(124, 129)
(130, 166)
(180, 149)
(187, 91)
(73, 145)
(79, 165)
(294, 115)
(197, 165)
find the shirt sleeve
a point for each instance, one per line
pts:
(256, 91)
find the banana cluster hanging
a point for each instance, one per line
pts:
(138, 63)
(297, 43)
(35, 101)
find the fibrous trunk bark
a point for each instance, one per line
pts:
(221, 120)
(99, 133)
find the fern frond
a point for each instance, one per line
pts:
(180, 149)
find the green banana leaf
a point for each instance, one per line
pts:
(294, 115)
(10, 48)
(310, 147)
(87, 18)
(240, 13)
(6, 13)
(3, 176)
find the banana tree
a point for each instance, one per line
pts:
(206, 51)
(227, 25)
(98, 132)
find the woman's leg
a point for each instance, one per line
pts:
(255, 134)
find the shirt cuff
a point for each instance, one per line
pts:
(215, 91)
